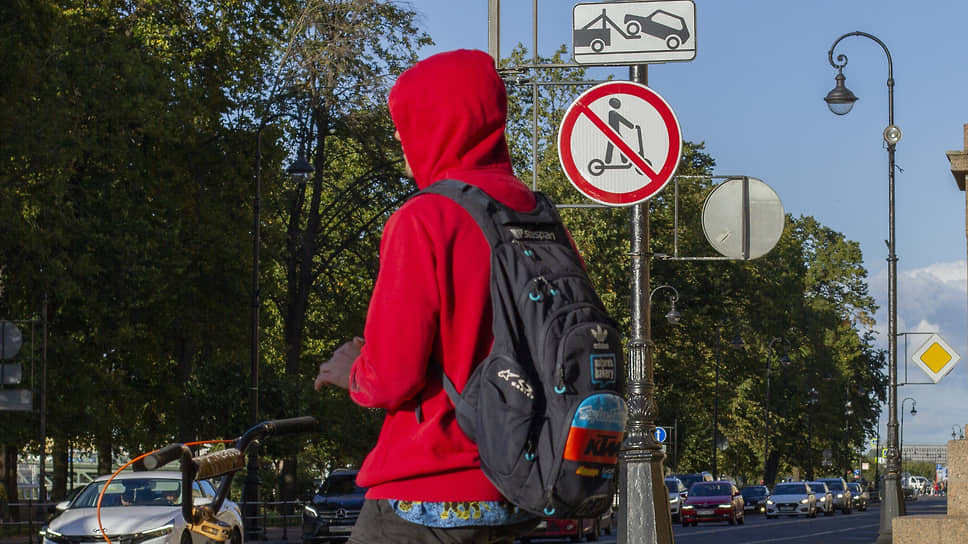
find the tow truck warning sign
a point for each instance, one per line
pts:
(634, 32)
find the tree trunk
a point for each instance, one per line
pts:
(58, 477)
(287, 483)
(184, 416)
(105, 457)
(8, 468)
(772, 465)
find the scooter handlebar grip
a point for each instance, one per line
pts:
(160, 457)
(291, 425)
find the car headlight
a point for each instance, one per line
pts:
(804, 501)
(769, 502)
(156, 532)
(673, 500)
(725, 506)
(840, 495)
(310, 511)
(51, 534)
(687, 507)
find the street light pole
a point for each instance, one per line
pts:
(766, 426)
(298, 171)
(840, 100)
(914, 411)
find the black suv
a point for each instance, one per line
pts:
(333, 511)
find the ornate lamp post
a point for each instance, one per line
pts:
(785, 361)
(954, 428)
(840, 100)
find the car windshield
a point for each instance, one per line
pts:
(755, 491)
(131, 492)
(835, 485)
(709, 490)
(790, 489)
(344, 484)
(818, 487)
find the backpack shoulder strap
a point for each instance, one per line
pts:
(491, 215)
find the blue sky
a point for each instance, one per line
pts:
(754, 95)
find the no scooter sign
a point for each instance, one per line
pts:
(619, 143)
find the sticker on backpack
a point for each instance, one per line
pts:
(597, 429)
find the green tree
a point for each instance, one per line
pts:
(324, 237)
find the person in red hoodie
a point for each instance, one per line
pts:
(431, 301)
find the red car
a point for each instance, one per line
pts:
(575, 530)
(713, 501)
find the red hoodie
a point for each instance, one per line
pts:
(431, 300)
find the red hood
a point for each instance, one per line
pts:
(450, 110)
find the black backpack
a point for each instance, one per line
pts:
(545, 407)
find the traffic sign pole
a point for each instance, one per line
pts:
(644, 515)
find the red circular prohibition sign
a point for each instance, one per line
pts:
(657, 178)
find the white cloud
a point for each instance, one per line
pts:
(930, 299)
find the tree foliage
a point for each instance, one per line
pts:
(131, 136)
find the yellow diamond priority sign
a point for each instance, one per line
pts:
(936, 358)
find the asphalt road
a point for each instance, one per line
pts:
(853, 528)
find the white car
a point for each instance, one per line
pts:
(825, 499)
(141, 507)
(793, 499)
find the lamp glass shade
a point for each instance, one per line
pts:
(300, 170)
(840, 99)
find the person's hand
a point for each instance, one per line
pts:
(336, 371)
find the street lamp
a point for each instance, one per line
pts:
(840, 100)
(735, 344)
(785, 361)
(673, 316)
(914, 412)
(299, 171)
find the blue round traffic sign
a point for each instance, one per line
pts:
(660, 434)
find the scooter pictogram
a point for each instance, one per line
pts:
(616, 120)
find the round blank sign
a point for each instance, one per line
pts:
(743, 218)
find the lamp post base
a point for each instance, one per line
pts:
(892, 506)
(642, 491)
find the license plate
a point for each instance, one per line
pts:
(341, 529)
(705, 512)
(787, 508)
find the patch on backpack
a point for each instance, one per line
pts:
(516, 381)
(597, 429)
(603, 369)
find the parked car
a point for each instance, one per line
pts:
(792, 498)
(677, 495)
(843, 499)
(573, 529)
(333, 511)
(137, 507)
(860, 495)
(713, 501)
(825, 499)
(754, 498)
